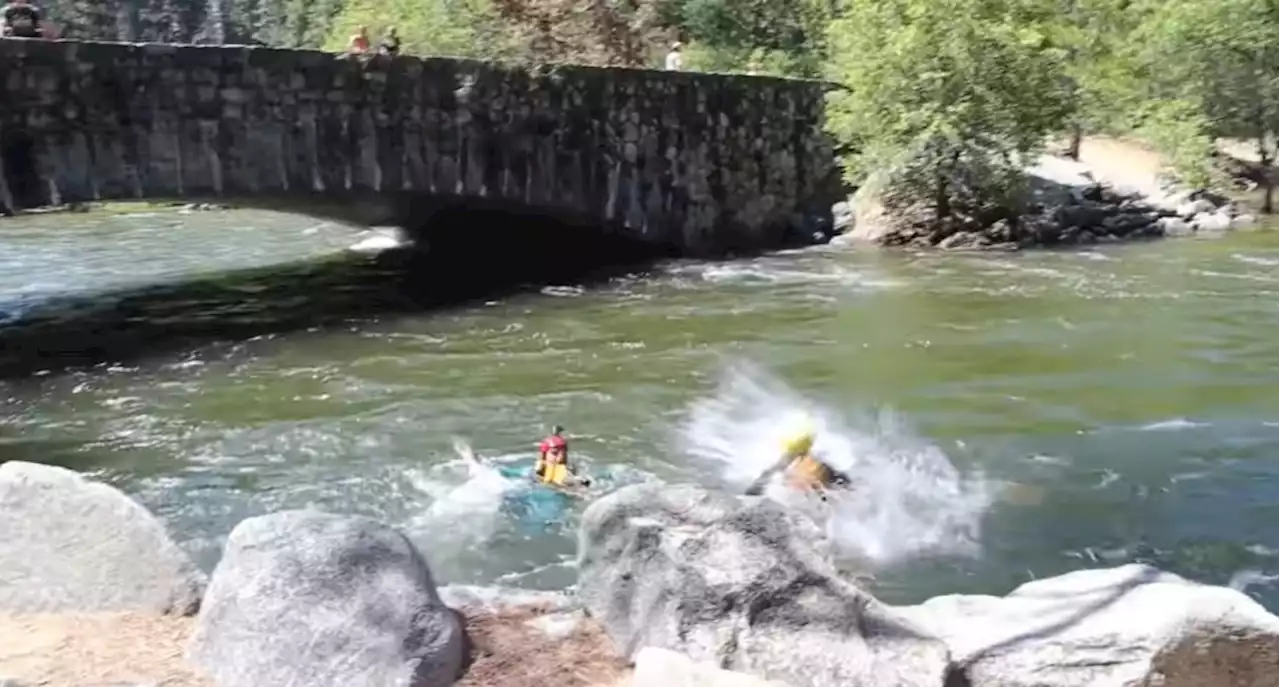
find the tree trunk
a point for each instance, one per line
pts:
(941, 206)
(1268, 180)
(1073, 148)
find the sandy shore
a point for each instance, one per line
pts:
(96, 649)
(509, 652)
(100, 649)
(1123, 163)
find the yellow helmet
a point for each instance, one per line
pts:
(799, 438)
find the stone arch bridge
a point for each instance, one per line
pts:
(696, 162)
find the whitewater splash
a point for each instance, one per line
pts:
(908, 498)
(464, 513)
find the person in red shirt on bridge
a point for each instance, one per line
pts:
(359, 43)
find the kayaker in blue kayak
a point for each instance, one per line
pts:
(552, 466)
(552, 486)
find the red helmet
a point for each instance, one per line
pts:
(553, 441)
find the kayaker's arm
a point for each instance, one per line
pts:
(757, 487)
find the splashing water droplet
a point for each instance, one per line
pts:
(907, 499)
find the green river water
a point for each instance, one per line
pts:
(1011, 416)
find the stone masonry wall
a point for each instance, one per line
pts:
(694, 160)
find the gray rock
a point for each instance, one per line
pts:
(1212, 222)
(744, 583)
(962, 240)
(1131, 625)
(1192, 208)
(310, 598)
(1069, 235)
(872, 222)
(1174, 199)
(1001, 231)
(1216, 200)
(1087, 215)
(1175, 226)
(72, 544)
(842, 216)
(663, 668)
(1244, 221)
(1125, 224)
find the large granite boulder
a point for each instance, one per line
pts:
(311, 598)
(745, 584)
(665, 668)
(1131, 625)
(70, 544)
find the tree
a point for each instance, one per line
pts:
(1093, 33)
(620, 33)
(779, 36)
(279, 23)
(945, 97)
(1206, 69)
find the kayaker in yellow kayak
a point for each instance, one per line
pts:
(803, 470)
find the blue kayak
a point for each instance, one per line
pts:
(536, 506)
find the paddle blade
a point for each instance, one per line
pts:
(464, 450)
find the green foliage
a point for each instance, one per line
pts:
(767, 36)
(769, 24)
(1204, 69)
(1179, 130)
(950, 94)
(1092, 33)
(703, 57)
(283, 23)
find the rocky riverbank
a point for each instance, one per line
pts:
(677, 586)
(1112, 194)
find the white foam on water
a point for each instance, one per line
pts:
(908, 499)
(379, 239)
(1108, 478)
(1173, 424)
(563, 291)
(1045, 459)
(496, 597)
(1255, 260)
(1243, 579)
(461, 513)
(781, 270)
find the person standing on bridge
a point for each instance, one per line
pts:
(358, 44)
(675, 60)
(20, 19)
(390, 43)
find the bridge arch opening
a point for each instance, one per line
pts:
(472, 247)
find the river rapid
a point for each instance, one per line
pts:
(1006, 416)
